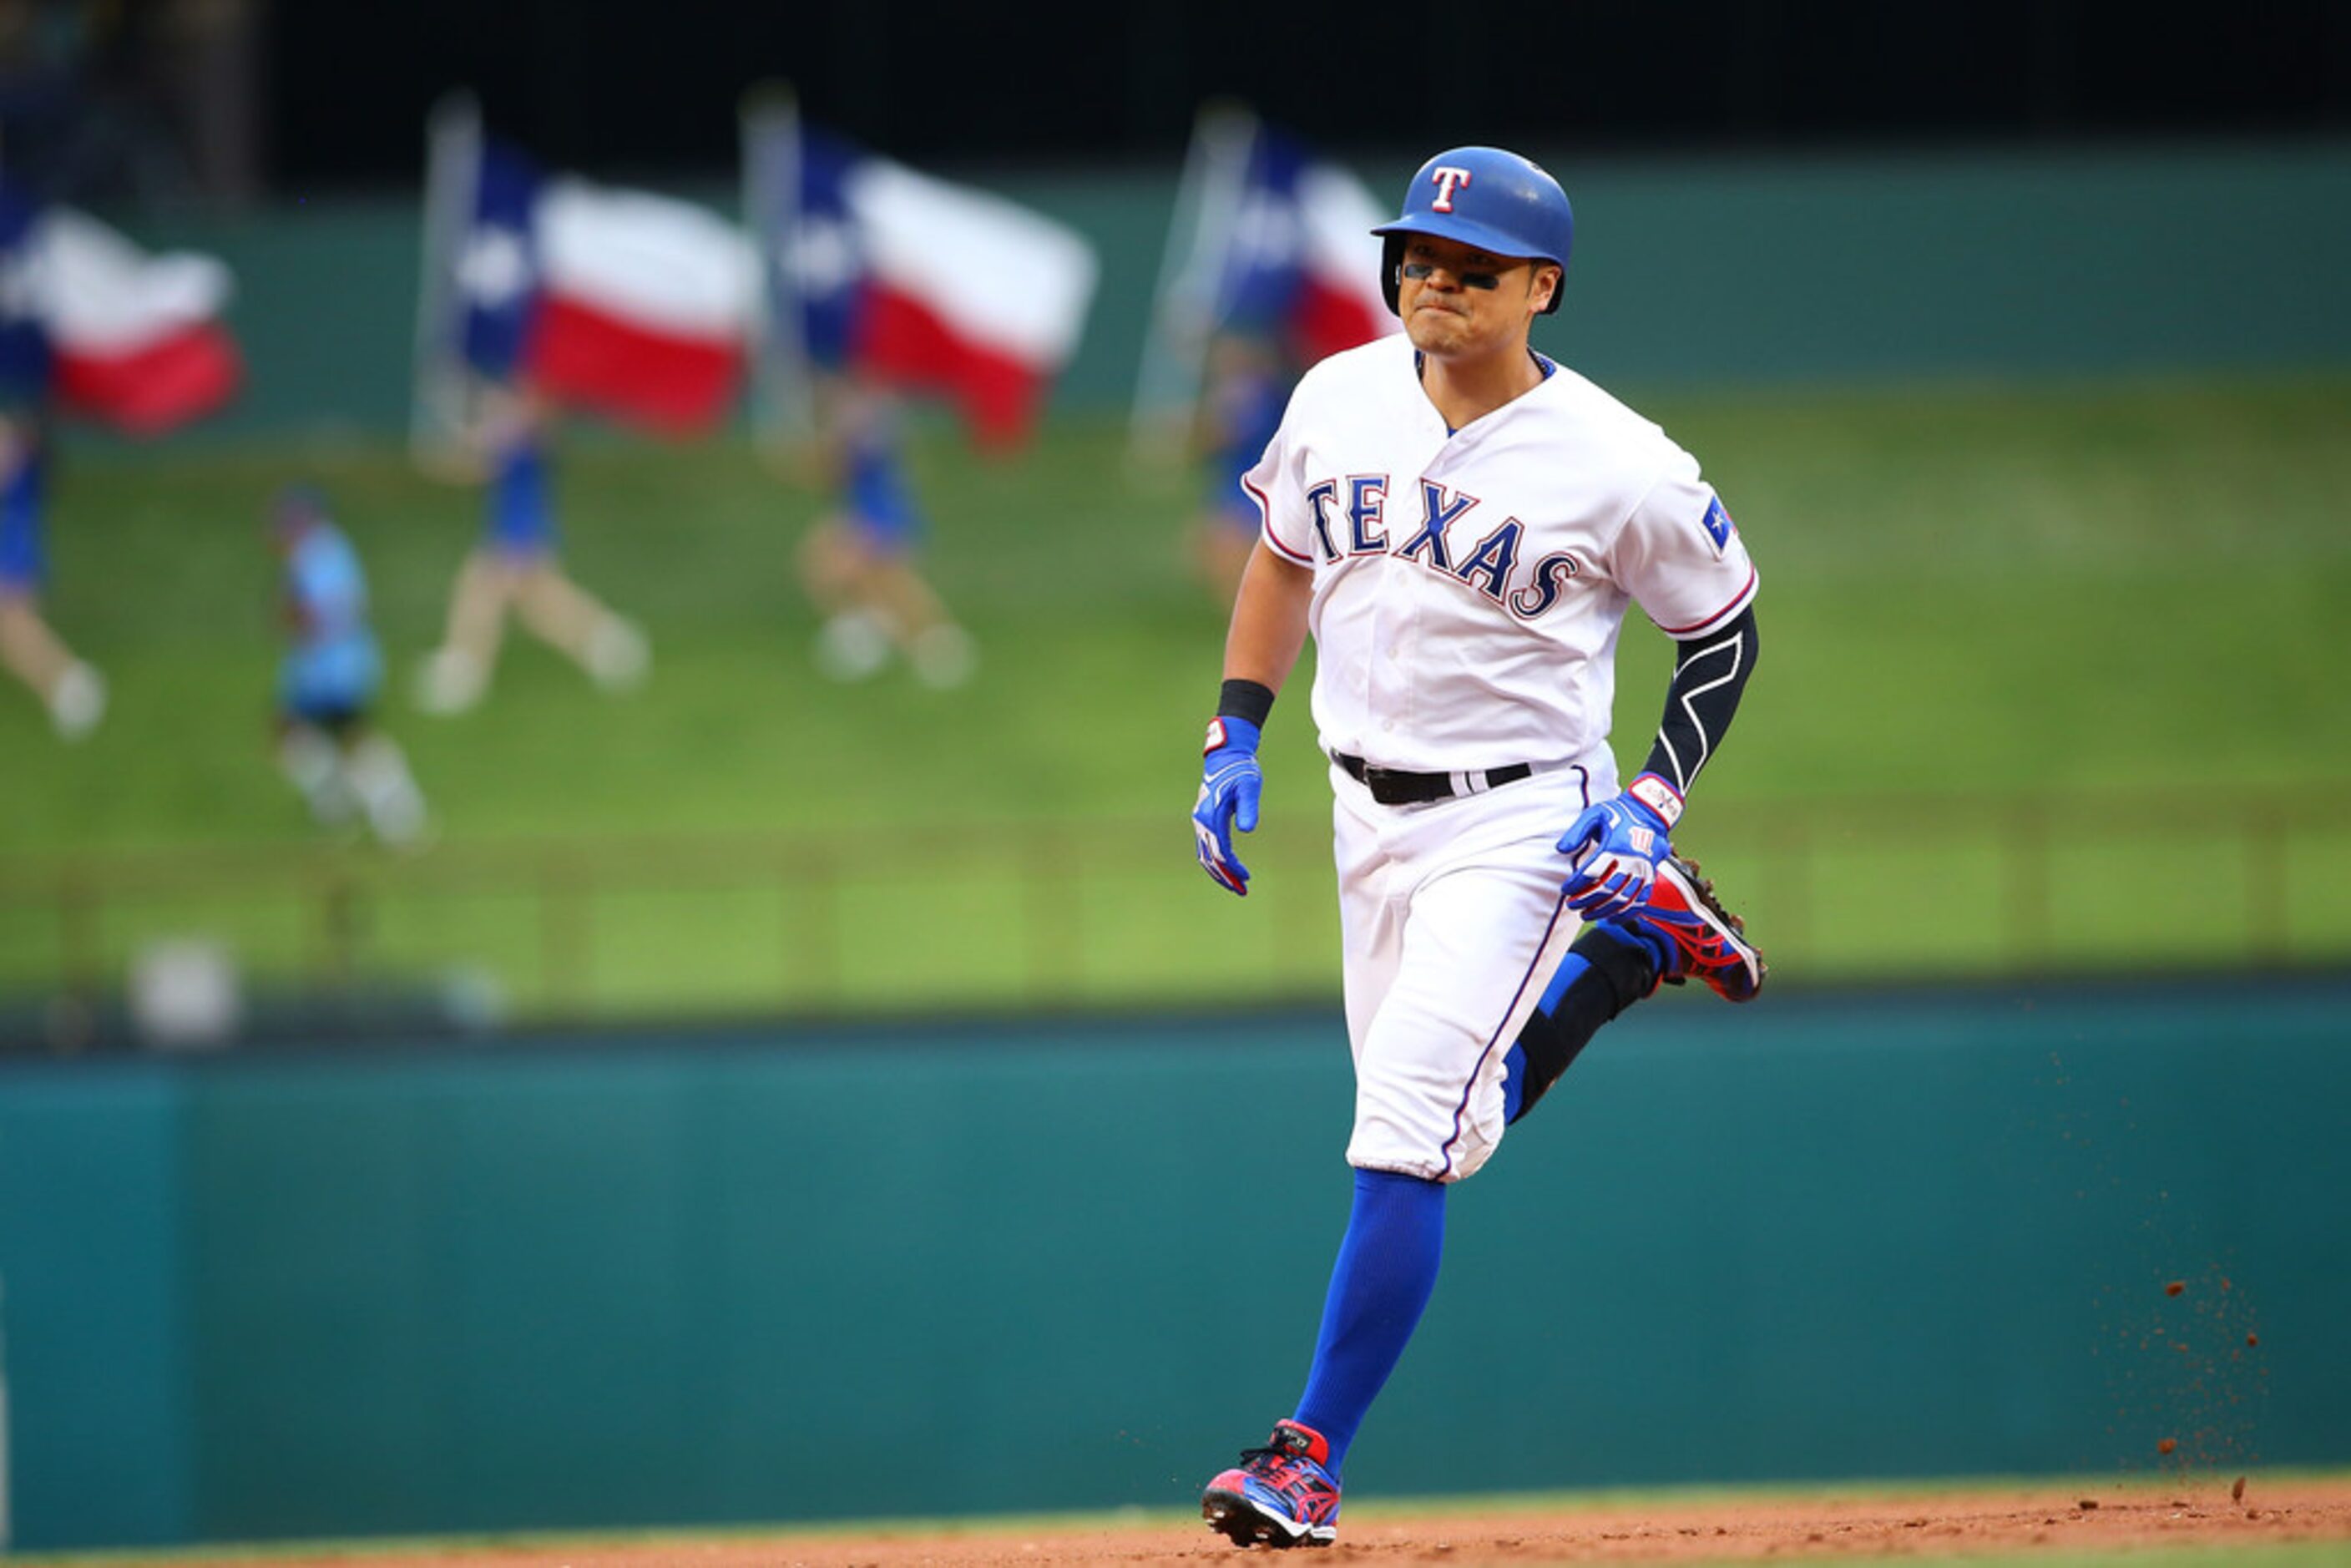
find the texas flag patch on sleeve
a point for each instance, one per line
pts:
(1719, 526)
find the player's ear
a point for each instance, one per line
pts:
(1542, 289)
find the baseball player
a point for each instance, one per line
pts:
(1460, 523)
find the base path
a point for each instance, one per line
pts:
(1834, 1523)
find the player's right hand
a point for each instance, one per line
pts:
(1230, 782)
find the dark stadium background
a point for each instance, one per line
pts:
(1057, 80)
(253, 97)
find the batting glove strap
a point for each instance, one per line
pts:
(1652, 790)
(1228, 733)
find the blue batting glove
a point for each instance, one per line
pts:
(1614, 848)
(1230, 781)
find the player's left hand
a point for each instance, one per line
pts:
(1613, 851)
(1230, 782)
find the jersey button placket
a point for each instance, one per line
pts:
(1401, 645)
(1374, 678)
(1392, 678)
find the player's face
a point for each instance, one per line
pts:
(1460, 303)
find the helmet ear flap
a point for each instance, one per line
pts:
(1392, 271)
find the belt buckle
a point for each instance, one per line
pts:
(1390, 786)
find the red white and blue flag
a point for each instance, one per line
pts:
(103, 328)
(1270, 241)
(910, 281)
(1299, 262)
(632, 304)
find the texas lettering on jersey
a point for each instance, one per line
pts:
(1468, 586)
(1349, 518)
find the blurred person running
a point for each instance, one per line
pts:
(515, 567)
(328, 745)
(858, 563)
(881, 284)
(1246, 388)
(70, 687)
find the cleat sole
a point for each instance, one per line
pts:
(1235, 1518)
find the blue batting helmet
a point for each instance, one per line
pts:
(1496, 201)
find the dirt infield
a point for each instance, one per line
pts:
(1831, 1524)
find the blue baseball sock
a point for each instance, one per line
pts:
(1387, 1269)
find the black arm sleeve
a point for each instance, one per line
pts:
(1708, 678)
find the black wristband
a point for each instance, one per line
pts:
(1251, 700)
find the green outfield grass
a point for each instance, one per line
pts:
(1987, 592)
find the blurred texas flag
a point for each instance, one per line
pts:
(92, 322)
(1268, 241)
(1298, 257)
(876, 270)
(635, 305)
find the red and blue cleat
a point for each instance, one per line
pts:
(1281, 1495)
(1709, 942)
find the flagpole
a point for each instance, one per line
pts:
(1199, 238)
(783, 401)
(452, 173)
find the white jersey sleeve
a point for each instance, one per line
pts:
(1680, 557)
(1281, 496)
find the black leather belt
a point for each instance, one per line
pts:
(1395, 786)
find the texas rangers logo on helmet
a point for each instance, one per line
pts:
(1447, 177)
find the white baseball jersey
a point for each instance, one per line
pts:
(1469, 589)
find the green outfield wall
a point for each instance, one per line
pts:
(640, 1280)
(1941, 264)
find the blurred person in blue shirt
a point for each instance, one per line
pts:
(328, 680)
(516, 565)
(1243, 394)
(73, 692)
(858, 564)
(500, 429)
